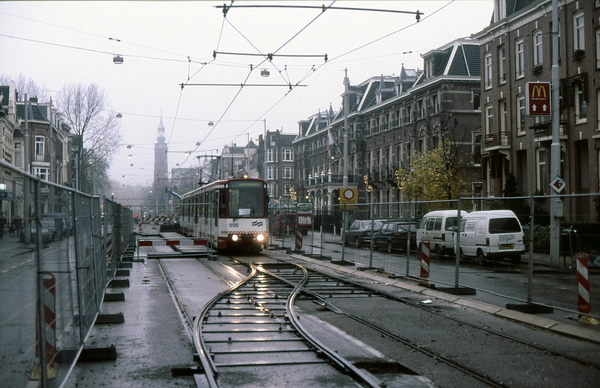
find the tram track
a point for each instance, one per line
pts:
(254, 325)
(326, 288)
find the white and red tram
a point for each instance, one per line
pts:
(231, 213)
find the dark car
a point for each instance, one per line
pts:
(62, 222)
(46, 232)
(394, 235)
(360, 232)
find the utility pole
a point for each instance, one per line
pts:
(27, 180)
(345, 150)
(556, 208)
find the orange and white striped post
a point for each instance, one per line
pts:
(583, 284)
(49, 327)
(425, 259)
(298, 240)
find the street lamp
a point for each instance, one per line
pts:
(118, 60)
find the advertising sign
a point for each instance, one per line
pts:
(538, 98)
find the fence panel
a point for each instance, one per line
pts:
(53, 275)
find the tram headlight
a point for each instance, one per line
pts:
(260, 238)
(235, 237)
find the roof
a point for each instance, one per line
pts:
(36, 112)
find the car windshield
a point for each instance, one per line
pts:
(504, 225)
(367, 225)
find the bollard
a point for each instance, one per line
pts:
(49, 325)
(583, 284)
(298, 240)
(425, 259)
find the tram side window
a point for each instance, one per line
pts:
(222, 204)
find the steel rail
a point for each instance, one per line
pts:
(332, 355)
(207, 362)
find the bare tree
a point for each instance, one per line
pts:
(26, 85)
(96, 130)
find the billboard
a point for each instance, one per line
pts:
(538, 99)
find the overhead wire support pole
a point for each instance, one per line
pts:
(270, 56)
(321, 7)
(242, 85)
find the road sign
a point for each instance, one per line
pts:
(538, 98)
(348, 196)
(558, 184)
(304, 208)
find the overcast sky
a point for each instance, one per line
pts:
(165, 44)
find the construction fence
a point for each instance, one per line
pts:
(59, 249)
(539, 279)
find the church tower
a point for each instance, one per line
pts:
(161, 168)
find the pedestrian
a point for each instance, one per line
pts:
(18, 224)
(2, 223)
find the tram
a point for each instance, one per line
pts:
(231, 213)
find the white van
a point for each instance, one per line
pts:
(438, 227)
(491, 235)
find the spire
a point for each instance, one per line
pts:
(161, 131)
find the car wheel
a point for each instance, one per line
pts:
(389, 247)
(462, 258)
(438, 252)
(356, 243)
(480, 258)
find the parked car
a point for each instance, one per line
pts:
(394, 235)
(62, 223)
(491, 235)
(45, 231)
(439, 227)
(359, 233)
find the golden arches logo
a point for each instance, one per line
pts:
(538, 91)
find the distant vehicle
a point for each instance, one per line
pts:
(394, 235)
(491, 235)
(45, 232)
(284, 223)
(63, 222)
(439, 227)
(360, 232)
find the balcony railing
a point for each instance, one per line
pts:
(497, 139)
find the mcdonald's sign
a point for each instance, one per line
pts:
(538, 99)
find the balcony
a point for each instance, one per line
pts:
(543, 131)
(497, 141)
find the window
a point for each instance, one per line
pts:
(578, 31)
(502, 64)
(288, 172)
(580, 104)
(41, 172)
(271, 155)
(521, 114)
(538, 50)
(39, 145)
(476, 99)
(519, 58)
(597, 113)
(503, 116)
(598, 48)
(288, 155)
(541, 170)
(272, 172)
(488, 70)
(489, 119)
(18, 154)
(476, 148)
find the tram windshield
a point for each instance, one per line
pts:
(246, 199)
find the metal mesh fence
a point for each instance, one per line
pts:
(518, 266)
(54, 269)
